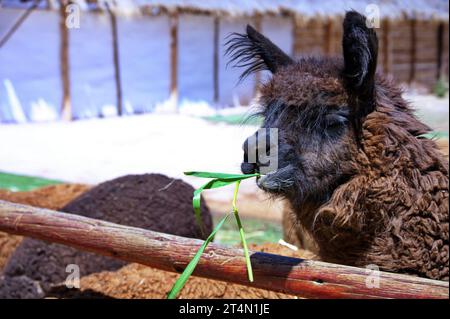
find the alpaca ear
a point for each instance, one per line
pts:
(360, 47)
(255, 52)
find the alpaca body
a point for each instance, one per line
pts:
(353, 164)
(393, 211)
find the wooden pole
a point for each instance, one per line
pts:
(174, 57)
(412, 68)
(216, 58)
(115, 43)
(18, 23)
(328, 37)
(440, 51)
(50, 5)
(299, 23)
(305, 278)
(66, 108)
(294, 35)
(386, 47)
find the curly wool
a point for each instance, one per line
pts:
(394, 211)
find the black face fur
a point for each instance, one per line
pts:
(318, 106)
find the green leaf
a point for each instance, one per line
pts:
(220, 180)
(179, 284)
(196, 200)
(244, 246)
(242, 234)
(219, 175)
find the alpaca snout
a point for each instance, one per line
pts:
(250, 148)
(279, 181)
(248, 168)
(249, 165)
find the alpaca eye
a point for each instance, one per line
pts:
(336, 120)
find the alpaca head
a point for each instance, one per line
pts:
(316, 105)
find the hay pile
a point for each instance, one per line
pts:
(51, 197)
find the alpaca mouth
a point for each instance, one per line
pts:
(249, 168)
(265, 184)
(269, 184)
(278, 181)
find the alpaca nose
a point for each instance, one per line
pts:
(246, 166)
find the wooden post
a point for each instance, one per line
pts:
(386, 47)
(174, 57)
(294, 35)
(412, 69)
(305, 278)
(18, 23)
(440, 51)
(327, 45)
(66, 107)
(116, 60)
(216, 58)
(445, 50)
(50, 5)
(299, 23)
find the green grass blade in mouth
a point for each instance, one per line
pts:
(219, 180)
(181, 281)
(242, 234)
(219, 175)
(196, 199)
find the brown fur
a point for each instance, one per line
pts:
(394, 211)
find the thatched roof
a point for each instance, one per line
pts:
(392, 9)
(425, 9)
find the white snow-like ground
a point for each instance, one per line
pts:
(91, 151)
(432, 110)
(95, 150)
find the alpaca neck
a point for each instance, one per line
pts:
(336, 243)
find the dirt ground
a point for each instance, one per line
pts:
(132, 280)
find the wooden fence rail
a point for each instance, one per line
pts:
(305, 278)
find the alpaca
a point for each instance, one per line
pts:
(353, 164)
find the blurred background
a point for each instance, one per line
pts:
(92, 90)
